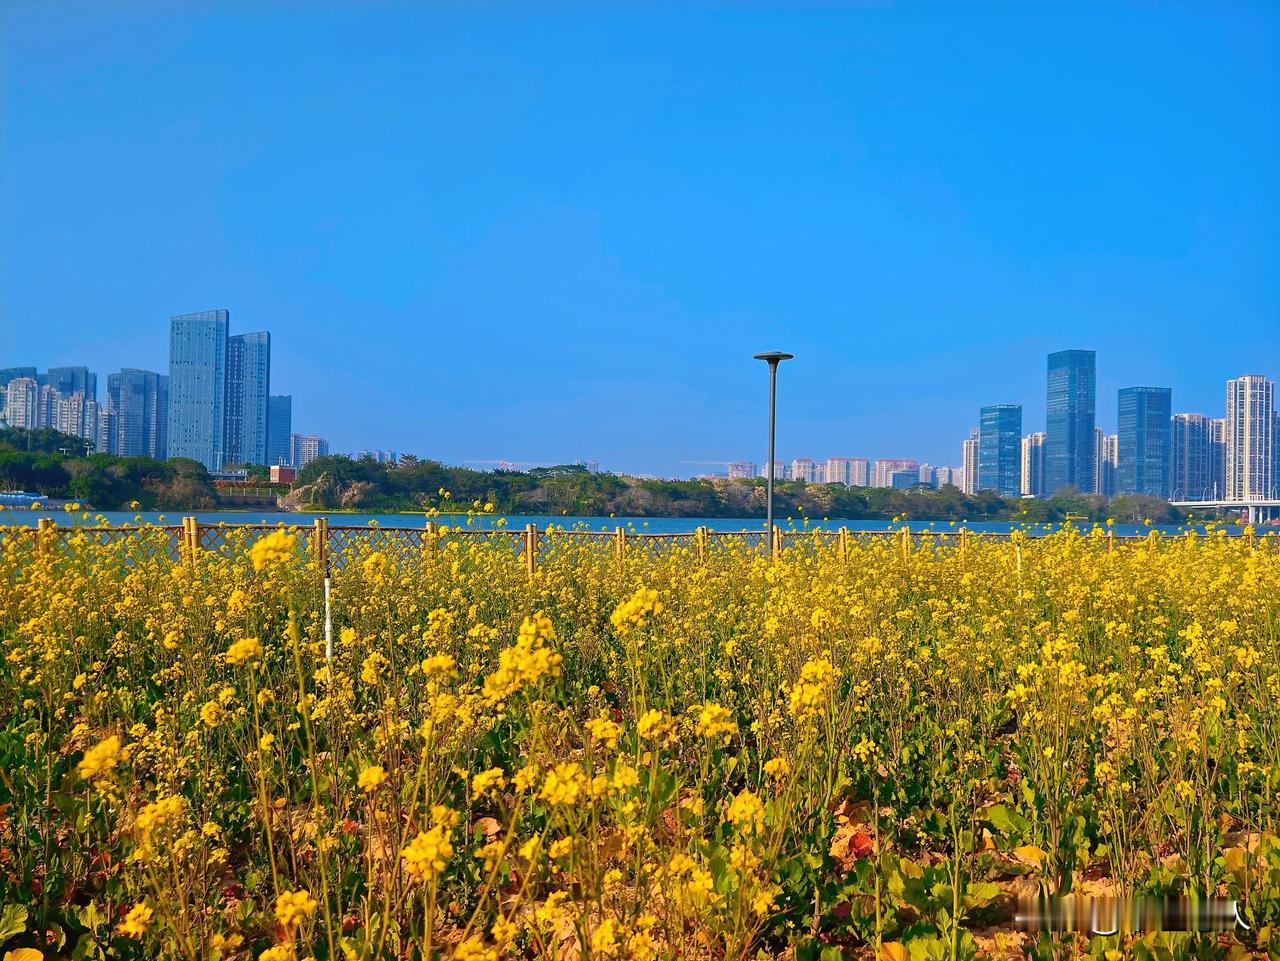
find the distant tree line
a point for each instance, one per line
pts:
(54, 464)
(338, 482)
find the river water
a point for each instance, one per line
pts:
(651, 525)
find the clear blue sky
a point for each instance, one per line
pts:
(545, 232)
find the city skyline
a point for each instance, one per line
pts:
(825, 455)
(610, 220)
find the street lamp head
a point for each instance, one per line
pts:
(773, 357)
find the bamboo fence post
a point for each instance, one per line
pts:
(1111, 541)
(433, 533)
(531, 549)
(620, 545)
(320, 544)
(844, 544)
(44, 534)
(775, 546)
(700, 537)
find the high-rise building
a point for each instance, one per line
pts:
(740, 470)
(304, 448)
(1218, 457)
(198, 387)
(1032, 474)
(279, 427)
(999, 449)
(942, 476)
(70, 380)
(138, 414)
(850, 471)
(248, 387)
(1143, 427)
(1108, 460)
(803, 468)
(1250, 435)
(969, 458)
(22, 403)
(8, 374)
(1070, 402)
(77, 415)
(1190, 477)
(886, 467)
(779, 470)
(378, 456)
(904, 479)
(928, 475)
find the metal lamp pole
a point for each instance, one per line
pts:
(773, 358)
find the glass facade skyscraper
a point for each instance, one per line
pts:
(279, 427)
(1191, 456)
(248, 387)
(71, 380)
(1070, 410)
(198, 386)
(138, 414)
(1000, 449)
(1143, 428)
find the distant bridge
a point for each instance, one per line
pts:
(1255, 506)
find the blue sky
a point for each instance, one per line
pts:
(545, 232)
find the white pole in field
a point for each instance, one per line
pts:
(328, 619)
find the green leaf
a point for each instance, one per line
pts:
(13, 921)
(1007, 822)
(981, 894)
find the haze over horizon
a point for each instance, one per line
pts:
(560, 233)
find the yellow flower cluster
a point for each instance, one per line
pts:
(636, 610)
(803, 752)
(525, 662)
(273, 550)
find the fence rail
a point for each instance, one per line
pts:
(328, 545)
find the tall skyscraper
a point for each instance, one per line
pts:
(198, 386)
(248, 387)
(76, 415)
(969, 455)
(1000, 449)
(22, 403)
(1190, 477)
(8, 374)
(1250, 435)
(1218, 457)
(138, 414)
(1108, 446)
(1033, 465)
(1070, 409)
(70, 380)
(1143, 428)
(279, 427)
(304, 448)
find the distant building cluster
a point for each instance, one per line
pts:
(214, 405)
(1154, 451)
(897, 472)
(1179, 457)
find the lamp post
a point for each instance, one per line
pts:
(773, 358)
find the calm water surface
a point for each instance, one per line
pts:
(652, 525)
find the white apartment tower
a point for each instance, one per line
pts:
(969, 463)
(1250, 436)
